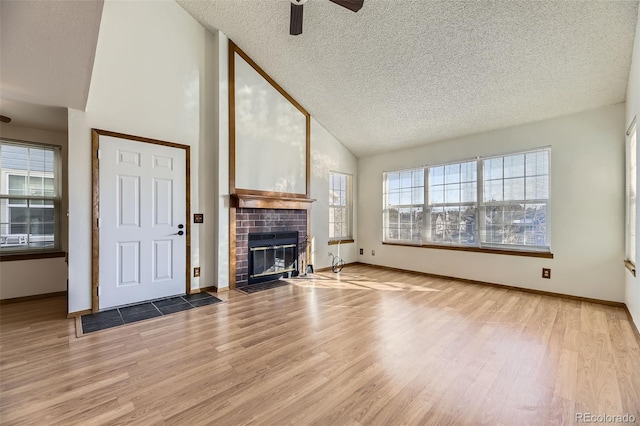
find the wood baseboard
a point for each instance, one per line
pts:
(33, 297)
(328, 268)
(79, 331)
(510, 287)
(633, 324)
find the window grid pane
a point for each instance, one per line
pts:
(404, 205)
(509, 208)
(452, 210)
(339, 206)
(516, 200)
(29, 223)
(631, 196)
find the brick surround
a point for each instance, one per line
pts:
(263, 220)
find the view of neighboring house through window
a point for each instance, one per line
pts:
(29, 197)
(631, 198)
(404, 205)
(494, 202)
(452, 203)
(515, 200)
(340, 206)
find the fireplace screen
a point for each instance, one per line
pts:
(272, 255)
(273, 260)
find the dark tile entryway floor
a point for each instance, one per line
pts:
(254, 288)
(143, 311)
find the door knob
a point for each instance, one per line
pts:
(180, 226)
(180, 233)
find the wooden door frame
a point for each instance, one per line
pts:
(95, 178)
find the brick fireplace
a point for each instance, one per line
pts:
(256, 220)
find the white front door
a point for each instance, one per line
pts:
(142, 221)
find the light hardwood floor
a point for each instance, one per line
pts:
(365, 347)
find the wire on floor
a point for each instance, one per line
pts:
(336, 262)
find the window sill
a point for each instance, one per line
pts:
(334, 242)
(7, 257)
(630, 266)
(541, 254)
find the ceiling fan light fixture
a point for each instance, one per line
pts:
(295, 22)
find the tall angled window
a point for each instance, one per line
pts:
(515, 204)
(29, 197)
(452, 203)
(404, 206)
(340, 207)
(631, 194)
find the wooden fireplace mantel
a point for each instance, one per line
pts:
(275, 210)
(270, 200)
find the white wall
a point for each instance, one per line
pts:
(151, 78)
(587, 206)
(632, 284)
(21, 278)
(329, 155)
(270, 131)
(221, 118)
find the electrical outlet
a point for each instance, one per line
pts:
(361, 251)
(373, 252)
(546, 273)
(196, 271)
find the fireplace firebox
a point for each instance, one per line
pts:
(272, 255)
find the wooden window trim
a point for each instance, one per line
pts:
(479, 204)
(540, 254)
(336, 242)
(347, 207)
(51, 252)
(630, 266)
(8, 257)
(233, 49)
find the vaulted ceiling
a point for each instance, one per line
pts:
(404, 73)
(47, 50)
(46, 59)
(394, 75)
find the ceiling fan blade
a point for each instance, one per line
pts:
(353, 5)
(295, 24)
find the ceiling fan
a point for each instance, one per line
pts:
(295, 25)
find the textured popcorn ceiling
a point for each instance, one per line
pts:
(404, 73)
(35, 116)
(47, 50)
